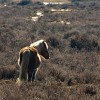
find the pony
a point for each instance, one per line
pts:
(30, 58)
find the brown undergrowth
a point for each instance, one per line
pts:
(72, 72)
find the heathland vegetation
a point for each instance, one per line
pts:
(73, 36)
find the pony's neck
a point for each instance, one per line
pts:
(38, 49)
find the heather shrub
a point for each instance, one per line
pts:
(84, 42)
(72, 72)
(53, 42)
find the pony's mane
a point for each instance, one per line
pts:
(46, 45)
(38, 42)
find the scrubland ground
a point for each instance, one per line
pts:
(73, 71)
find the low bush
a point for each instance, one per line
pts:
(84, 42)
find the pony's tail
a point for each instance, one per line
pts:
(24, 65)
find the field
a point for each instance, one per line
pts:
(73, 70)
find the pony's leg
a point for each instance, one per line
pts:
(34, 74)
(23, 73)
(24, 66)
(30, 74)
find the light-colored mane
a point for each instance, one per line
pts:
(37, 43)
(41, 47)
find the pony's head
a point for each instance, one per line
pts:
(42, 48)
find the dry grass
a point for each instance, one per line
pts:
(72, 72)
